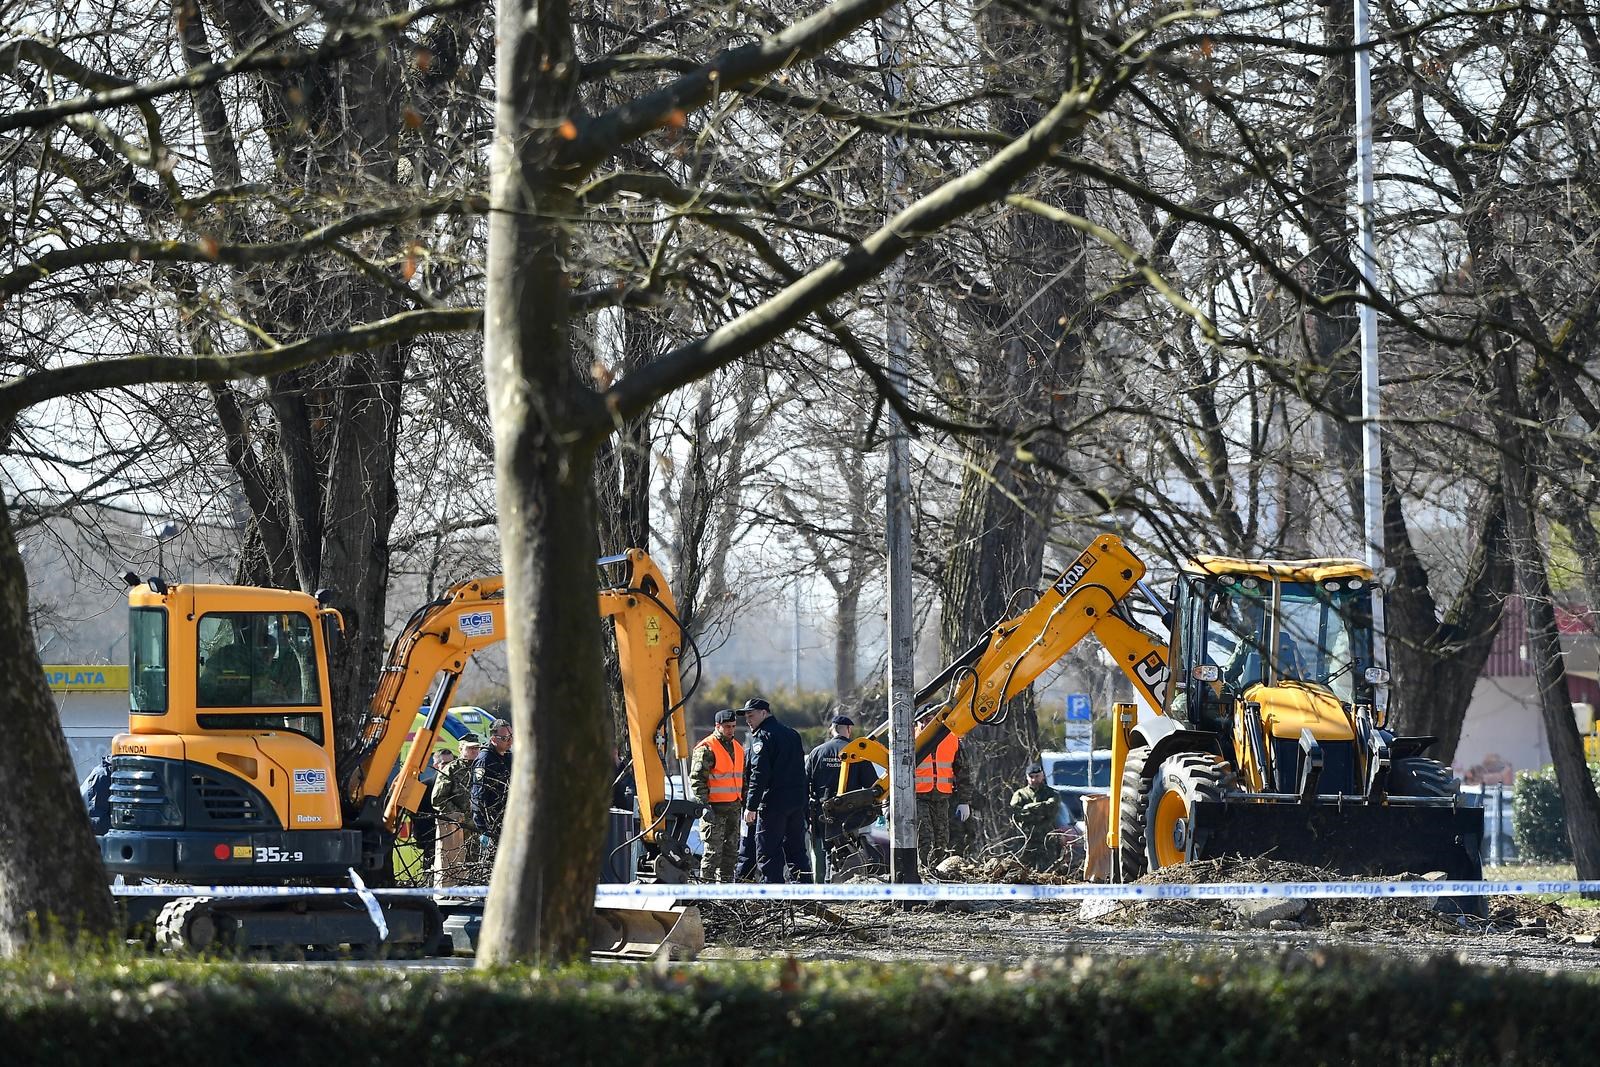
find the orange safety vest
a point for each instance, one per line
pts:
(937, 773)
(727, 772)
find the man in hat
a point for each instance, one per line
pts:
(716, 779)
(457, 844)
(822, 778)
(775, 794)
(1036, 810)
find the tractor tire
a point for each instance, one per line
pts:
(1132, 800)
(1181, 782)
(1419, 776)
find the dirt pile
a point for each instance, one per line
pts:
(1396, 916)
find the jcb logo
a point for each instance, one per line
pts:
(1152, 671)
(1073, 574)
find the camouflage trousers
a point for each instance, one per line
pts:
(1037, 851)
(722, 823)
(933, 826)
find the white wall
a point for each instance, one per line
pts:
(1503, 718)
(90, 721)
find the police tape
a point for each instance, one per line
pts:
(611, 893)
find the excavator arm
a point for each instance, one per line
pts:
(426, 659)
(1085, 599)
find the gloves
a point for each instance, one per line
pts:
(963, 812)
(483, 841)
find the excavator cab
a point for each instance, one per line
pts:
(1233, 633)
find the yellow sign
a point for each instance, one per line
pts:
(87, 678)
(652, 629)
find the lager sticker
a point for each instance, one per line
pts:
(311, 781)
(478, 624)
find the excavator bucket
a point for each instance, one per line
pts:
(648, 929)
(629, 930)
(1352, 839)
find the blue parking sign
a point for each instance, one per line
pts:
(1078, 707)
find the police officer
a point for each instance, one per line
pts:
(716, 777)
(822, 778)
(1035, 808)
(491, 783)
(775, 794)
(96, 790)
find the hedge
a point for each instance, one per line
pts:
(1301, 1008)
(1539, 816)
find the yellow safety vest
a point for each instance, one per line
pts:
(937, 773)
(727, 772)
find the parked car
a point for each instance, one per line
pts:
(1074, 775)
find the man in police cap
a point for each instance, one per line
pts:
(822, 779)
(775, 794)
(716, 776)
(491, 786)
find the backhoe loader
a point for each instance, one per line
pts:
(1264, 742)
(230, 772)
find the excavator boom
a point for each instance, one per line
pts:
(1084, 599)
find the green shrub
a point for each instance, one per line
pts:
(807, 710)
(1301, 1008)
(1539, 816)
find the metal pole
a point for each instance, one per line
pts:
(1367, 263)
(797, 636)
(897, 509)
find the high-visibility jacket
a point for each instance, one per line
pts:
(727, 772)
(937, 773)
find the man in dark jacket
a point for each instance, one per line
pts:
(822, 777)
(491, 782)
(96, 791)
(775, 794)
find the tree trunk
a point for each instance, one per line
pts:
(1334, 348)
(541, 898)
(845, 644)
(1544, 639)
(1006, 508)
(65, 896)
(1436, 661)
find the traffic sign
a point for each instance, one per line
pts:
(1078, 708)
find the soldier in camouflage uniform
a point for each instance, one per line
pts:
(716, 779)
(457, 844)
(1036, 808)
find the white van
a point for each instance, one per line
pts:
(1074, 775)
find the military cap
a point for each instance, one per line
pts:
(726, 715)
(756, 704)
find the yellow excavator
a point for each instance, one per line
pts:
(1264, 742)
(230, 772)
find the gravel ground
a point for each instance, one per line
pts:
(1518, 932)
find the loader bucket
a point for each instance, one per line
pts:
(647, 929)
(1352, 839)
